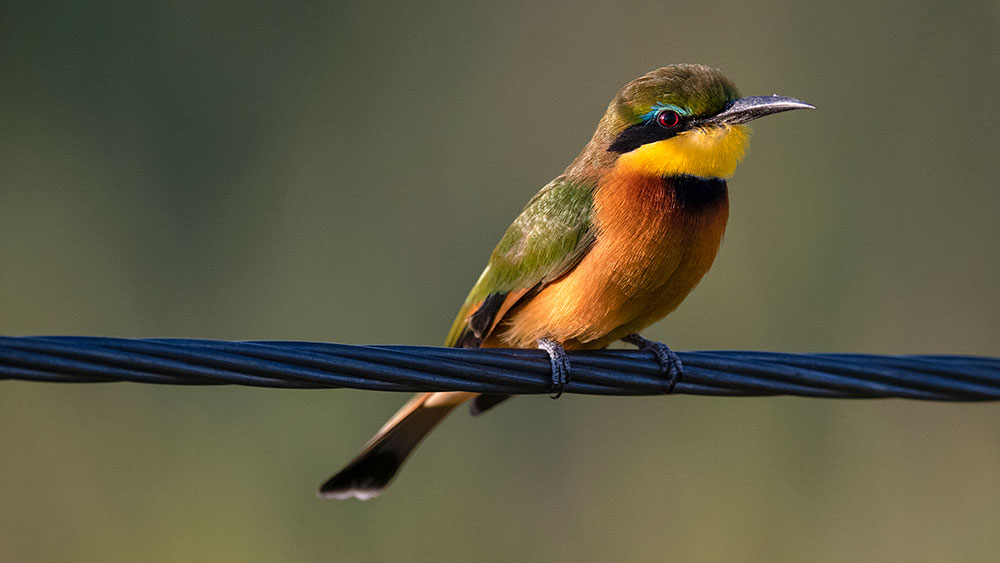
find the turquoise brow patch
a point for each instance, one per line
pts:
(660, 106)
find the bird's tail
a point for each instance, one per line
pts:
(367, 475)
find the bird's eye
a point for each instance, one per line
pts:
(668, 118)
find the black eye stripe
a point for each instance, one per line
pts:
(644, 133)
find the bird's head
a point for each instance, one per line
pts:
(682, 119)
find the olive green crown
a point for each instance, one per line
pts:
(697, 89)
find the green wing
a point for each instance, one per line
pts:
(546, 240)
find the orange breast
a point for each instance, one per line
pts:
(656, 238)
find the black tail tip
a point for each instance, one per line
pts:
(364, 478)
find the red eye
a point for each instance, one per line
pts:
(668, 118)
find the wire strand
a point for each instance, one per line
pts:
(87, 359)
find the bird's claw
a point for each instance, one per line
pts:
(670, 363)
(560, 365)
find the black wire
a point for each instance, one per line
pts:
(77, 359)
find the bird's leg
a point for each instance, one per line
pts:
(670, 364)
(560, 364)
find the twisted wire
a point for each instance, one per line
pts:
(79, 359)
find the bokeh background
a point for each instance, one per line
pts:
(339, 172)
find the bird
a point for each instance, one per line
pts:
(607, 248)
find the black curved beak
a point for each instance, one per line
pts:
(752, 107)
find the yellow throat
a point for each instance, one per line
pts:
(710, 152)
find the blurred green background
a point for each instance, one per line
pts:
(340, 172)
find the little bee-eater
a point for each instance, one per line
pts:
(607, 248)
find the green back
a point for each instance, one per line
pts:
(546, 240)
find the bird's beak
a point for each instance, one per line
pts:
(752, 107)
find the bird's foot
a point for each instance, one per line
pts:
(670, 364)
(560, 364)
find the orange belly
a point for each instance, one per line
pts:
(654, 243)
